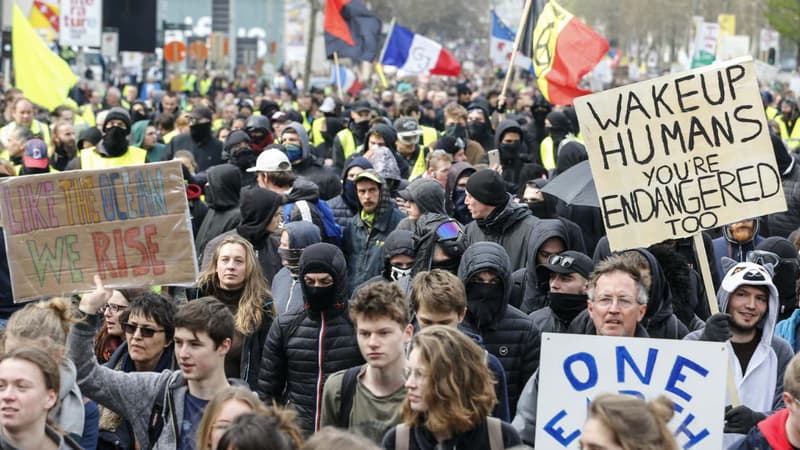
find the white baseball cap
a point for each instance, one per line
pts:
(272, 160)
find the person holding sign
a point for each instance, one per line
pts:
(617, 304)
(748, 300)
(450, 397)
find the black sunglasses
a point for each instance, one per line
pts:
(147, 332)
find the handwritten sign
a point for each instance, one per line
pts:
(128, 224)
(679, 154)
(81, 22)
(575, 369)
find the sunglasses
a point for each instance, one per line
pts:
(762, 257)
(448, 230)
(563, 261)
(146, 332)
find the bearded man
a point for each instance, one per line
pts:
(737, 239)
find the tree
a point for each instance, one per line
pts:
(784, 17)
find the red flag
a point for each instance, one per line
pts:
(351, 30)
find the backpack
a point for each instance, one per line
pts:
(319, 214)
(402, 435)
(347, 394)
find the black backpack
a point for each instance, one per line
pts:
(348, 391)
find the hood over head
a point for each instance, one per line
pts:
(302, 234)
(492, 257)
(659, 296)
(258, 206)
(138, 131)
(569, 155)
(356, 161)
(326, 258)
(224, 186)
(504, 127)
(428, 194)
(751, 274)
(457, 170)
(303, 135)
(388, 133)
(398, 242)
(786, 273)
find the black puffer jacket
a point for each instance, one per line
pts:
(535, 296)
(783, 223)
(510, 335)
(509, 226)
(290, 372)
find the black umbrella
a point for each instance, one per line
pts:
(575, 186)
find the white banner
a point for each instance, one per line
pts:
(575, 369)
(81, 23)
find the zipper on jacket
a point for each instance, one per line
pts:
(320, 352)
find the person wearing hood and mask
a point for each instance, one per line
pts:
(507, 332)
(455, 125)
(737, 239)
(540, 108)
(113, 150)
(381, 145)
(783, 256)
(144, 135)
(542, 205)
(497, 217)
(559, 131)
(298, 149)
(479, 125)
(304, 348)
(422, 196)
(239, 152)
(329, 128)
(295, 237)
(222, 198)
(260, 218)
(456, 191)
(748, 302)
(659, 320)
(348, 140)
(345, 205)
(568, 279)
(398, 257)
(513, 152)
(207, 149)
(258, 128)
(365, 233)
(783, 223)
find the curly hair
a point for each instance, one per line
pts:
(621, 414)
(380, 300)
(250, 312)
(459, 393)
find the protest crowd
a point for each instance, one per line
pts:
(376, 269)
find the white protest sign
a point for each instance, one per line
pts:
(80, 22)
(679, 154)
(574, 369)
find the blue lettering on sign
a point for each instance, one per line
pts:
(677, 376)
(558, 433)
(683, 428)
(591, 365)
(624, 356)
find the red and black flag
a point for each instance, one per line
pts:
(351, 30)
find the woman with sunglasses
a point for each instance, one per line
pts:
(149, 327)
(450, 397)
(110, 335)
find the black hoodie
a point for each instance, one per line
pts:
(310, 167)
(511, 160)
(510, 335)
(536, 290)
(222, 198)
(304, 348)
(785, 275)
(510, 226)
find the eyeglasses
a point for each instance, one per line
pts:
(448, 230)
(418, 374)
(563, 261)
(147, 332)
(622, 302)
(114, 308)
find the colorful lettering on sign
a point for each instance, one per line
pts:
(127, 245)
(51, 259)
(36, 207)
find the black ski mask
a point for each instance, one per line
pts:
(566, 306)
(200, 132)
(115, 141)
(484, 302)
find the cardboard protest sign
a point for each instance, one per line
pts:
(574, 369)
(680, 154)
(129, 224)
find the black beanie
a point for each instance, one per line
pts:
(487, 186)
(119, 114)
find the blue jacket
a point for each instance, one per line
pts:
(787, 329)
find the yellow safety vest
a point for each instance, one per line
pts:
(88, 114)
(792, 139)
(92, 160)
(420, 167)
(316, 132)
(168, 137)
(188, 81)
(429, 136)
(39, 130)
(306, 122)
(772, 112)
(348, 142)
(204, 86)
(546, 153)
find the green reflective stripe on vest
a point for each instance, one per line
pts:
(348, 142)
(547, 154)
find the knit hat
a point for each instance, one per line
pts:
(117, 113)
(487, 186)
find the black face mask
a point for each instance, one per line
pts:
(566, 306)
(449, 265)
(243, 159)
(291, 259)
(484, 302)
(477, 129)
(457, 131)
(538, 209)
(115, 141)
(460, 211)
(137, 116)
(318, 298)
(510, 151)
(200, 132)
(360, 129)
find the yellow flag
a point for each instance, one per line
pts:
(42, 75)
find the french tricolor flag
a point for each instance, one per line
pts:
(415, 54)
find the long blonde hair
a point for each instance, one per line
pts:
(250, 312)
(460, 388)
(622, 414)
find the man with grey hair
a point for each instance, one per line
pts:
(617, 303)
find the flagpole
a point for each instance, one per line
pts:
(338, 74)
(517, 39)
